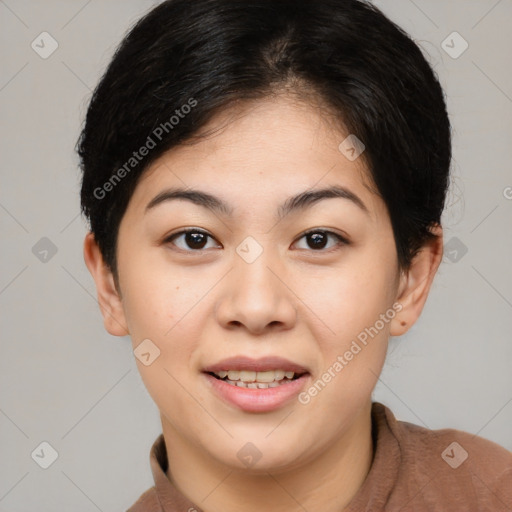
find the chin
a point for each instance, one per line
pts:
(260, 458)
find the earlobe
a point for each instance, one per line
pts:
(110, 303)
(415, 284)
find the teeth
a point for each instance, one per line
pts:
(254, 385)
(245, 376)
(266, 376)
(280, 374)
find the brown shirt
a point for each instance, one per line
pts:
(414, 469)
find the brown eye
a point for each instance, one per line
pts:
(190, 240)
(318, 239)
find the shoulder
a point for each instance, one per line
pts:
(451, 449)
(452, 466)
(148, 502)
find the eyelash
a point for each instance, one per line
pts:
(341, 240)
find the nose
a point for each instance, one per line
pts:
(256, 296)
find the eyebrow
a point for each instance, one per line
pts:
(296, 203)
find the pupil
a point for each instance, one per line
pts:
(318, 239)
(195, 240)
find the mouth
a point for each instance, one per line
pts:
(256, 385)
(256, 380)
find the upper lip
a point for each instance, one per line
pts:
(256, 365)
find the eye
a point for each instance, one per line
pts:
(318, 239)
(190, 240)
(195, 240)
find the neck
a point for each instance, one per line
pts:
(327, 482)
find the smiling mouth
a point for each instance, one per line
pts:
(256, 380)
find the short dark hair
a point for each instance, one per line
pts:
(185, 61)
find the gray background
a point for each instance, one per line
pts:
(64, 380)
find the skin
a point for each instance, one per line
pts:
(295, 301)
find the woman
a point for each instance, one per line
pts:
(264, 183)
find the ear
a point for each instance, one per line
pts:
(109, 299)
(414, 285)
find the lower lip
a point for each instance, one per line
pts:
(257, 400)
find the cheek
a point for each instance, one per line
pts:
(165, 310)
(350, 297)
(156, 296)
(351, 351)
(352, 335)
(164, 304)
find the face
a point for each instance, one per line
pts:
(305, 286)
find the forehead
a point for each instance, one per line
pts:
(275, 147)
